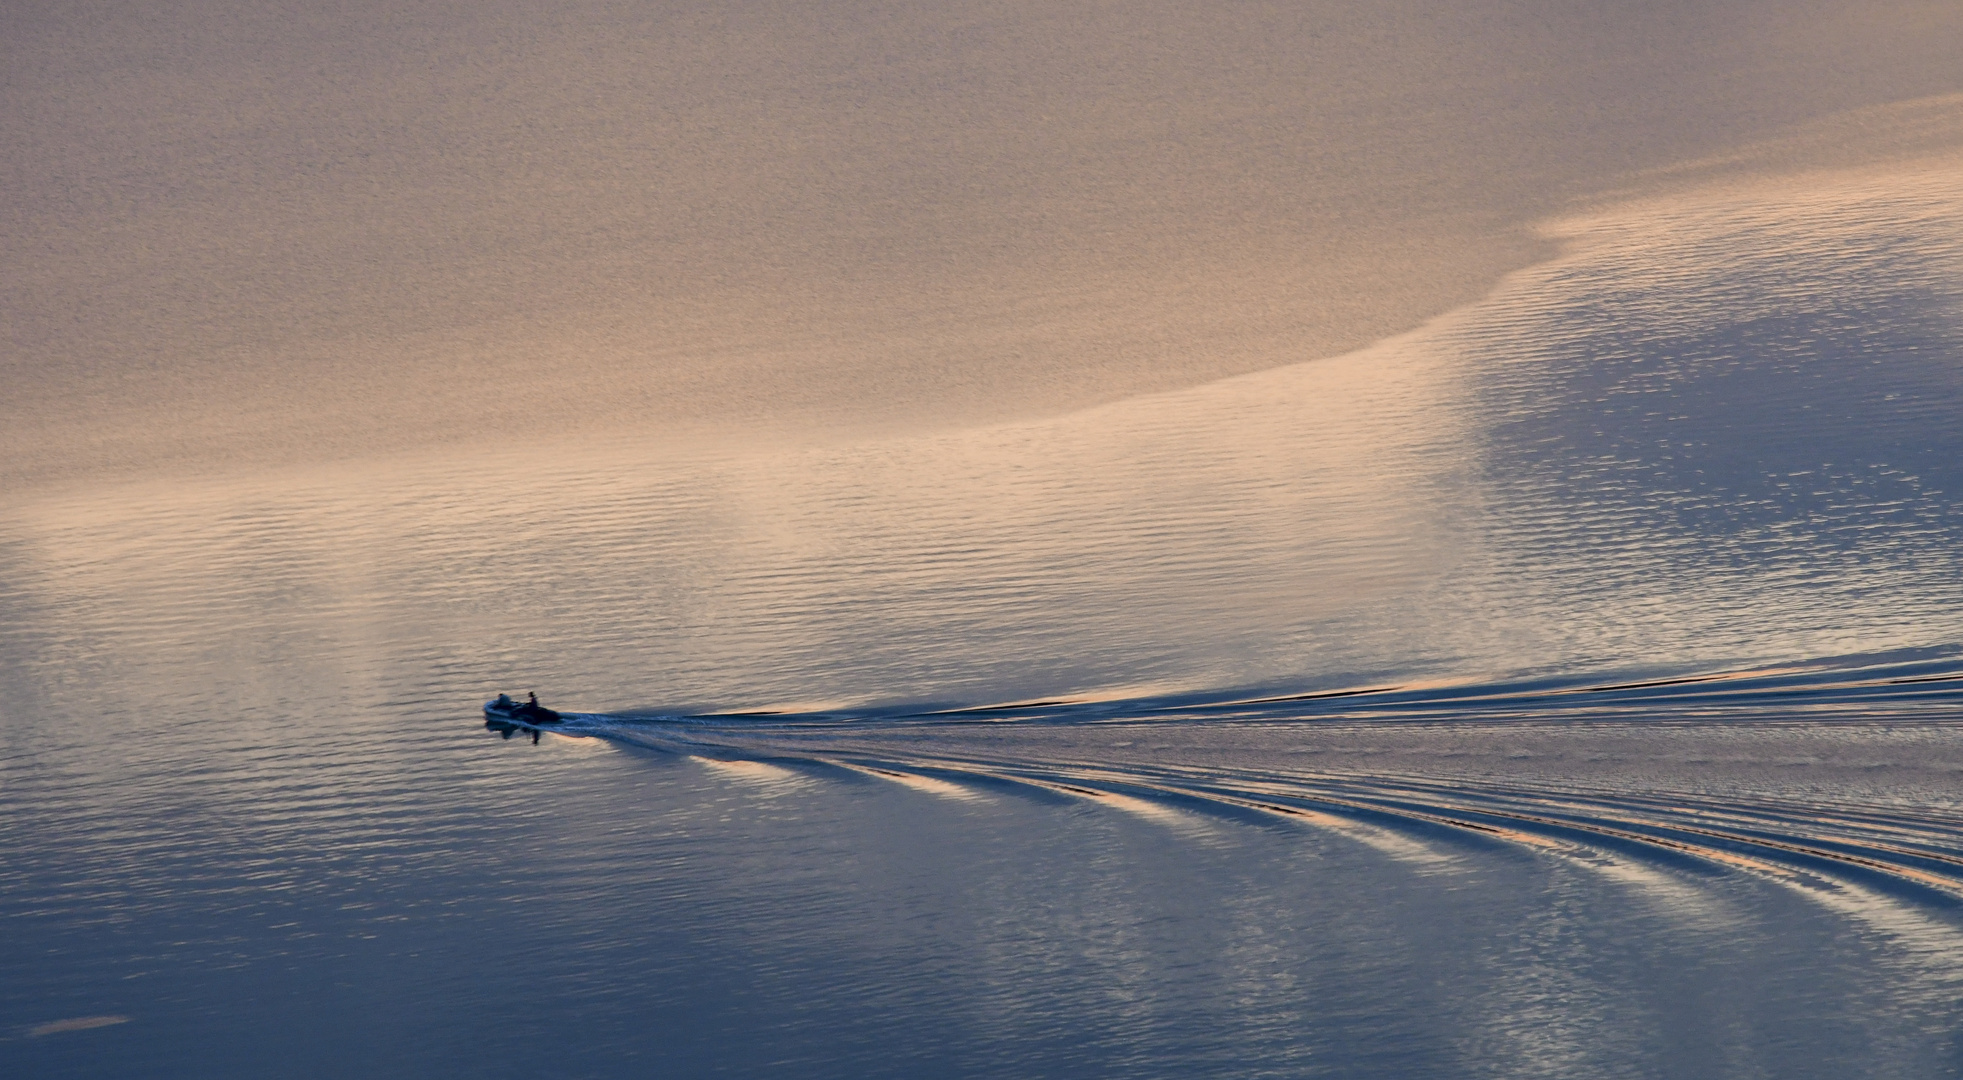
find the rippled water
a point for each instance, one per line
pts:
(1568, 688)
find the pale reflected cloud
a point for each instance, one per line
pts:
(917, 782)
(770, 779)
(1461, 498)
(74, 1023)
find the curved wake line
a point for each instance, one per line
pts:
(1906, 893)
(1797, 843)
(1899, 686)
(1707, 802)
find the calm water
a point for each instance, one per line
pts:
(1572, 687)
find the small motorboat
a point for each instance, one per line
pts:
(522, 713)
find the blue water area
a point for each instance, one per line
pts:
(1570, 688)
(1722, 874)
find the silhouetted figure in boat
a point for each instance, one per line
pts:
(504, 710)
(534, 713)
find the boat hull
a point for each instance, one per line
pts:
(524, 714)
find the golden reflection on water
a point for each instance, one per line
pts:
(1163, 529)
(1330, 520)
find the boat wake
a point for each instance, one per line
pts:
(1660, 781)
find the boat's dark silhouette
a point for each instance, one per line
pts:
(524, 713)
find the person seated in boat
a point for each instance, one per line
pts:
(504, 701)
(534, 713)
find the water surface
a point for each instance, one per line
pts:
(1568, 687)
